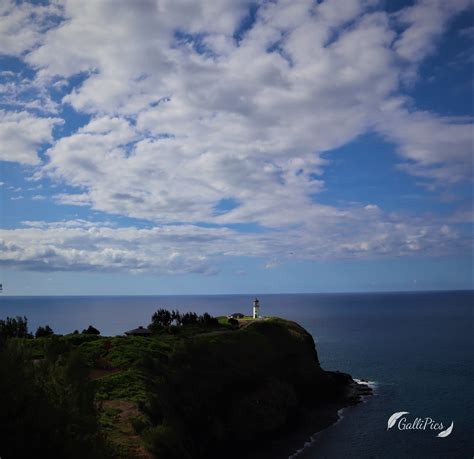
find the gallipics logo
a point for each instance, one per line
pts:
(400, 421)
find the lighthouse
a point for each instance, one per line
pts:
(256, 308)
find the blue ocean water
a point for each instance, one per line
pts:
(417, 348)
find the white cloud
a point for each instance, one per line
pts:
(438, 148)
(20, 93)
(272, 264)
(79, 245)
(236, 122)
(22, 25)
(22, 133)
(425, 22)
(186, 117)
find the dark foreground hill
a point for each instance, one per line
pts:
(186, 392)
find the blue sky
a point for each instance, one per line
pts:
(235, 147)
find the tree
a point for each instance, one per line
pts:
(160, 319)
(48, 408)
(45, 331)
(91, 331)
(189, 318)
(207, 320)
(14, 328)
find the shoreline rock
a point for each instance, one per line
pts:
(291, 443)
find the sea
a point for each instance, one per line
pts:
(415, 349)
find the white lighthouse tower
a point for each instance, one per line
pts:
(256, 308)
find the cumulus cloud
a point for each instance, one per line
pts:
(220, 118)
(79, 245)
(22, 133)
(195, 105)
(22, 25)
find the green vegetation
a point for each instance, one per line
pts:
(48, 408)
(14, 328)
(163, 319)
(188, 391)
(42, 332)
(248, 385)
(90, 330)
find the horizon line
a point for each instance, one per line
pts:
(248, 293)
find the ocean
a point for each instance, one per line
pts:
(416, 349)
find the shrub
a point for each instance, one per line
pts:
(207, 320)
(163, 441)
(55, 347)
(43, 332)
(139, 424)
(173, 330)
(233, 321)
(91, 331)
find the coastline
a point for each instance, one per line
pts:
(300, 435)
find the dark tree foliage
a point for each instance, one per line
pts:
(244, 385)
(163, 318)
(207, 320)
(160, 319)
(233, 321)
(189, 318)
(14, 328)
(91, 331)
(42, 332)
(48, 408)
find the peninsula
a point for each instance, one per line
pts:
(192, 386)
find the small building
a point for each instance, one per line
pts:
(256, 308)
(140, 331)
(236, 315)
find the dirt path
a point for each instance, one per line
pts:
(121, 430)
(98, 373)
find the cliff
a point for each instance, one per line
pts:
(199, 390)
(219, 394)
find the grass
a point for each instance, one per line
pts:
(126, 385)
(116, 418)
(119, 383)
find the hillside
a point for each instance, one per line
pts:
(205, 391)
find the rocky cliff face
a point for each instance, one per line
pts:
(228, 390)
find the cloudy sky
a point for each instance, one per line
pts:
(223, 146)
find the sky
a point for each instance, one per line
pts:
(233, 146)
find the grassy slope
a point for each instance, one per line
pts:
(120, 385)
